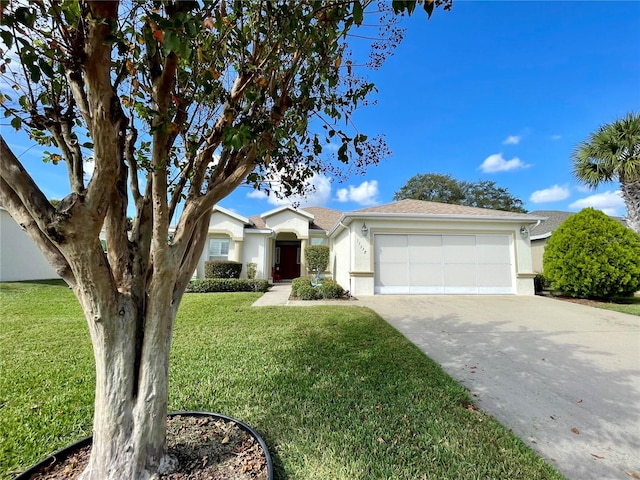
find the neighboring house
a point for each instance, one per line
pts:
(541, 232)
(406, 247)
(20, 259)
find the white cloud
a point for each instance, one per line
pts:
(609, 202)
(257, 194)
(364, 194)
(496, 163)
(319, 193)
(551, 194)
(584, 188)
(512, 140)
(556, 137)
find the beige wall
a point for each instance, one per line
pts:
(20, 259)
(537, 251)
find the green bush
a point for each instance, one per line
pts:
(222, 269)
(308, 292)
(209, 285)
(540, 283)
(317, 257)
(296, 283)
(593, 256)
(331, 289)
(252, 268)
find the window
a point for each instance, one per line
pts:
(218, 248)
(318, 240)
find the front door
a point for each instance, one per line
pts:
(289, 261)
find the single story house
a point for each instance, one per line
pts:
(405, 247)
(541, 232)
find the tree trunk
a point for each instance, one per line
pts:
(631, 196)
(129, 428)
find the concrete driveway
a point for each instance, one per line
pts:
(564, 377)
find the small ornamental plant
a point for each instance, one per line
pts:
(592, 255)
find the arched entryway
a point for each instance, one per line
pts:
(287, 256)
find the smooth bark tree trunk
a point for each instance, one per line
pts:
(129, 430)
(631, 196)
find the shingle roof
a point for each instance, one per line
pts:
(324, 218)
(422, 207)
(553, 221)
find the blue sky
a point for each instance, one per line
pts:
(499, 91)
(491, 90)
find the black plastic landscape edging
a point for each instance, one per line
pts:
(62, 454)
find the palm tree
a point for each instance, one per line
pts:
(613, 153)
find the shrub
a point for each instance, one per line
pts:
(593, 256)
(540, 283)
(222, 269)
(296, 283)
(317, 257)
(331, 289)
(209, 285)
(308, 292)
(252, 268)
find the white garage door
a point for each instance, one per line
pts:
(463, 264)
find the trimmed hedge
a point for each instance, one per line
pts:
(317, 257)
(210, 285)
(331, 289)
(222, 269)
(591, 255)
(308, 292)
(297, 283)
(303, 289)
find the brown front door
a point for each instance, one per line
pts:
(289, 266)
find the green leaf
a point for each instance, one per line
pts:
(25, 16)
(7, 38)
(429, 6)
(16, 123)
(342, 153)
(358, 13)
(46, 68)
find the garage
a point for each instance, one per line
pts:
(443, 264)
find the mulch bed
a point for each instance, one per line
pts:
(206, 448)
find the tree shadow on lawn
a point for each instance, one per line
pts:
(568, 387)
(337, 393)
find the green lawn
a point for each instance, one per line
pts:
(627, 305)
(335, 391)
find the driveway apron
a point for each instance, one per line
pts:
(564, 377)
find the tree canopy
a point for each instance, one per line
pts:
(437, 187)
(174, 104)
(612, 153)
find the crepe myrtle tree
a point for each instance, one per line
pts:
(175, 104)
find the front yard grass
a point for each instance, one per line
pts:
(628, 305)
(335, 391)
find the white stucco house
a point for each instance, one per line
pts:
(405, 247)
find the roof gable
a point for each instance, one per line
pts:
(229, 213)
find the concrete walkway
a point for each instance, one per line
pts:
(277, 295)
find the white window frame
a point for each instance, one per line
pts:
(217, 247)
